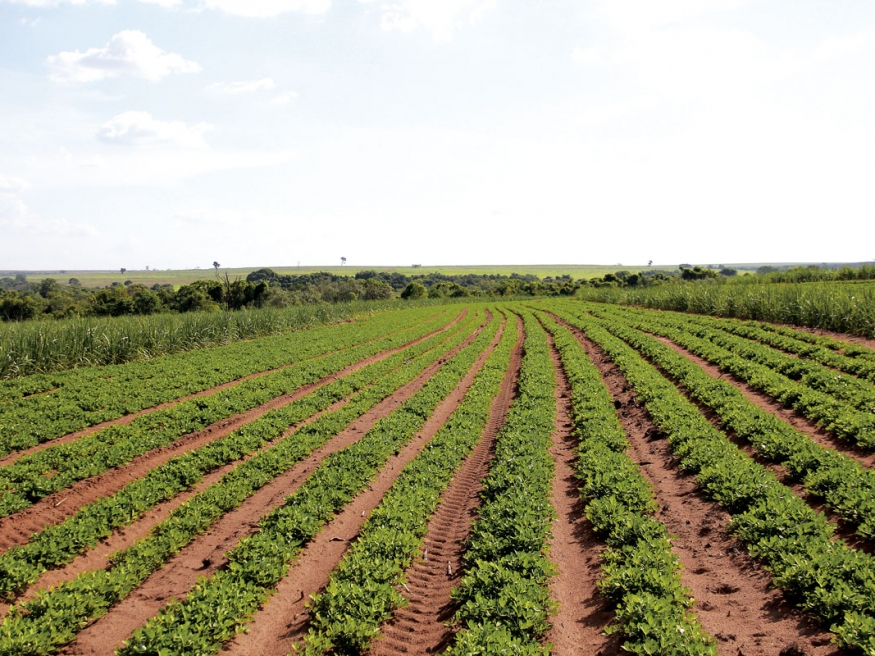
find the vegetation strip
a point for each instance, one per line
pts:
(640, 573)
(59, 544)
(822, 575)
(846, 486)
(839, 418)
(850, 390)
(792, 343)
(503, 600)
(34, 412)
(35, 476)
(218, 607)
(54, 617)
(361, 593)
(848, 349)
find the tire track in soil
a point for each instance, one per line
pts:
(767, 403)
(583, 613)
(420, 627)
(284, 619)
(17, 528)
(734, 599)
(127, 419)
(206, 554)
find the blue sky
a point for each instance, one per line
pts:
(172, 133)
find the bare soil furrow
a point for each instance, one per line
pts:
(795, 419)
(421, 626)
(206, 554)
(734, 598)
(284, 619)
(582, 613)
(127, 419)
(16, 529)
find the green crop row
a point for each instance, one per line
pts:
(847, 389)
(59, 544)
(844, 484)
(846, 348)
(46, 623)
(857, 366)
(503, 601)
(640, 572)
(35, 476)
(218, 607)
(837, 417)
(84, 397)
(821, 574)
(361, 593)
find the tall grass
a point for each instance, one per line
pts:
(842, 307)
(45, 346)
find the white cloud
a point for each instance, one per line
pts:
(56, 3)
(129, 52)
(440, 17)
(267, 8)
(284, 98)
(142, 129)
(12, 185)
(588, 56)
(168, 4)
(243, 86)
(15, 216)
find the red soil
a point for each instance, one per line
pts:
(16, 529)
(734, 599)
(206, 554)
(582, 613)
(421, 626)
(127, 419)
(284, 620)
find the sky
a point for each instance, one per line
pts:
(175, 133)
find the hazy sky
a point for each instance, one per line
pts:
(172, 133)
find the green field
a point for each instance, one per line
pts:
(186, 276)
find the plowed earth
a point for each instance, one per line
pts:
(206, 554)
(734, 599)
(16, 529)
(421, 627)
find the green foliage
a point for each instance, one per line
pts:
(819, 573)
(504, 604)
(259, 561)
(414, 291)
(57, 545)
(361, 592)
(640, 572)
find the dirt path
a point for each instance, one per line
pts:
(583, 614)
(206, 554)
(16, 529)
(127, 419)
(420, 627)
(845, 337)
(284, 620)
(734, 600)
(796, 420)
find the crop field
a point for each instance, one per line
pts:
(522, 478)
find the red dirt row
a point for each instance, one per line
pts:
(734, 599)
(206, 554)
(127, 419)
(421, 626)
(797, 420)
(16, 529)
(583, 614)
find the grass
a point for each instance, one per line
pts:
(842, 307)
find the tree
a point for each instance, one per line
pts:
(123, 270)
(414, 291)
(216, 266)
(342, 261)
(74, 282)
